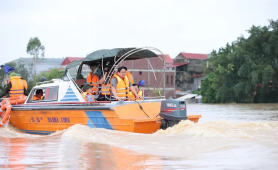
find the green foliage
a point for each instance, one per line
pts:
(19, 68)
(196, 92)
(156, 92)
(246, 70)
(35, 48)
(54, 73)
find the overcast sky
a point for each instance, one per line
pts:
(77, 28)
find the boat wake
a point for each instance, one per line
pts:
(183, 140)
(9, 131)
(223, 128)
(220, 129)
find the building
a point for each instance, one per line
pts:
(42, 63)
(189, 71)
(45, 64)
(151, 71)
(68, 60)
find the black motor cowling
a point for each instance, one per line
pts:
(172, 111)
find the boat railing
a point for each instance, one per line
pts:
(44, 82)
(129, 53)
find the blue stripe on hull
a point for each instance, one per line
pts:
(66, 100)
(98, 120)
(37, 132)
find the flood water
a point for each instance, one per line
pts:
(234, 136)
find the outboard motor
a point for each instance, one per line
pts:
(172, 111)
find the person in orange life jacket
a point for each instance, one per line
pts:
(120, 85)
(87, 94)
(15, 87)
(138, 91)
(39, 95)
(94, 79)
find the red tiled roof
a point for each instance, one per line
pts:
(168, 59)
(70, 59)
(194, 56)
(197, 75)
(176, 64)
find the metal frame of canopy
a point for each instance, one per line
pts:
(117, 56)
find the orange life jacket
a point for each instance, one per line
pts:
(93, 80)
(106, 89)
(37, 98)
(132, 96)
(122, 88)
(17, 86)
(25, 84)
(84, 95)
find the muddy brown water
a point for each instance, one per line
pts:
(233, 136)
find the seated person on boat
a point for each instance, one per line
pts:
(88, 93)
(39, 95)
(138, 91)
(15, 87)
(120, 85)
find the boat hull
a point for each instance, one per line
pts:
(128, 117)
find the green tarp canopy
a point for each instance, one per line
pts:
(107, 54)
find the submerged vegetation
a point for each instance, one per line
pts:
(245, 71)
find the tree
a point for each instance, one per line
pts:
(246, 70)
(35, 49)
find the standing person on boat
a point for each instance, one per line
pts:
(88, 93)
(15, 87)
(138, 91)
(120, 85)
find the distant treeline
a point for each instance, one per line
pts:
(245, 71)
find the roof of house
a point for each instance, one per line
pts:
(168, 59)
(194, 56)
(68, 60)
(196, 75)
(176, 64)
